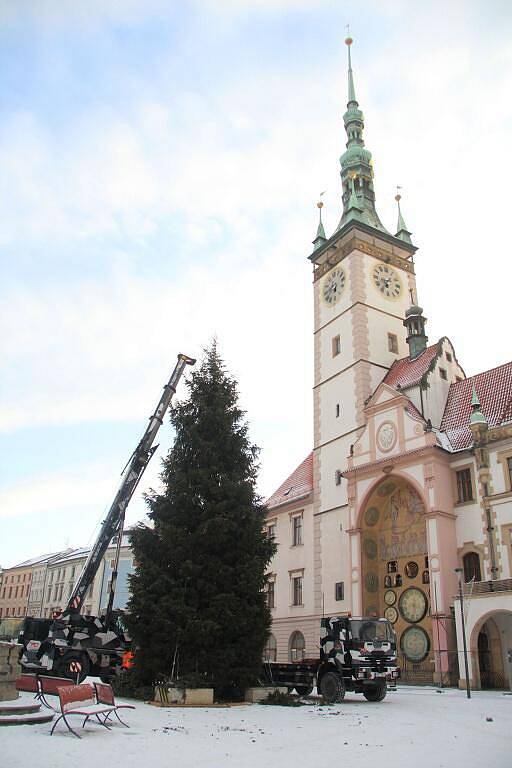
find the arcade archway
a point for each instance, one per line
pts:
(490, 643)
(395, 572)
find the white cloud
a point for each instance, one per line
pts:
(242, 167)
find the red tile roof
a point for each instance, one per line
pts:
(494, 390)
(407, 373)
(298, 485)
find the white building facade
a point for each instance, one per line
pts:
(410, 474)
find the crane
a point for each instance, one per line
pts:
(74, 645)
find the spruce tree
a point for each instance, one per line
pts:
(198, 601)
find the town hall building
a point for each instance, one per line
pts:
(408, 489)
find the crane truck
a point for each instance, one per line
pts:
(356, 654)
(74, 645)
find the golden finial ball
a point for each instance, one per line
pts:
(398, 198)
(348, 40)
(319, 204)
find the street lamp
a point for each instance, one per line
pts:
(458, 571)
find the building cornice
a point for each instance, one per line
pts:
(339, 252)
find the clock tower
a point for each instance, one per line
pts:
(363, 280)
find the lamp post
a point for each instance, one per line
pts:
(458, 571)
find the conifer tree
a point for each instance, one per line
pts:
(197, 601)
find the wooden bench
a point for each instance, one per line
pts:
(80, 700)
(42, 686)
(105, 695)
(28, 682)
(49, 686)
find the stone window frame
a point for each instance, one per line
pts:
(271, 522)
(480, 569)
(294, 516)
(474, 500)
(479, 549)
(271, 579)
(392, 343)
(503, 457)
(506, 540)
(296, 573)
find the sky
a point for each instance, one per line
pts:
(160, 164)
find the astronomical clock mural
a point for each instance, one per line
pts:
(395, 566)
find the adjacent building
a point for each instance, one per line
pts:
(409, 484)
(41, 587)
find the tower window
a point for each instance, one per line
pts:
(393, 343)
(337, 410)
(448, 357)
(443, 374)
(339, 590)
(336, 345)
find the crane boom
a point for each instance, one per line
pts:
(113, 522)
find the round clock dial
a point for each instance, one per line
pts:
(415, 644)
(386, 280)
(413, 605)
(390, 597)
(391, 614)
(333, 285)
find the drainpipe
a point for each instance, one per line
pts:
(490, 538)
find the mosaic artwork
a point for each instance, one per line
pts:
(395, 565)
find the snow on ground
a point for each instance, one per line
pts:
(417, 725)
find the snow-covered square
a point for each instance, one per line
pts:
(414, 726)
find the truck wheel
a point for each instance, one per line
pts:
(304, 690)
(376, 692)
(74, 666)
(332, 687)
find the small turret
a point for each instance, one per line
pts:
(415, 324)
(477, 417)
(320, 238)
(402, 233)
(478, 426)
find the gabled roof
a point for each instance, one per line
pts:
(296, 486)
(73, 554)
(408, 373)
(33, 561)
(494, 389)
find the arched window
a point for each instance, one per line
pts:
(297, 646)
(270, 650)
(471, 563)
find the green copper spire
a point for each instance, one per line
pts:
(477, 417)
(351, 89)
(401, 230)
(320, 238)
(356, 164)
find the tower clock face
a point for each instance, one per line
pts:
(413, 605)
(415, 644)
(332, 286)
(387, 281)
